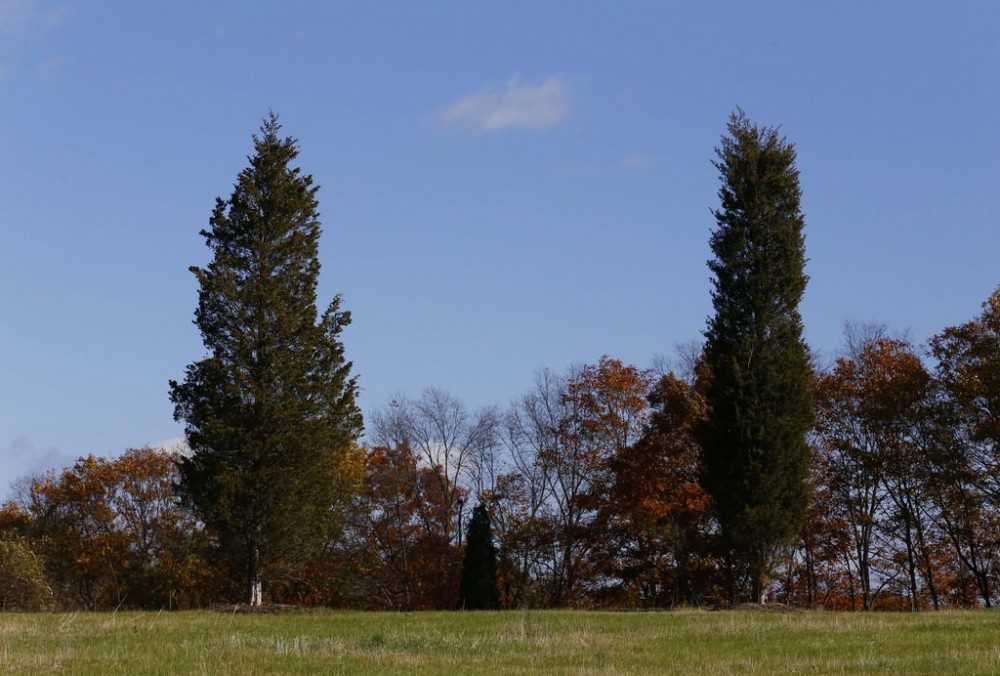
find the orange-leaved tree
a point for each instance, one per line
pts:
(656, 513)
(112, 534)
(871, 407)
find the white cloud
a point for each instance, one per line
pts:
(177, 445)
(511, 105)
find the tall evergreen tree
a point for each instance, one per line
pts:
(478, 590)
(271, 411)
(754, 449)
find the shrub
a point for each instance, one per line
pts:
(23, 585)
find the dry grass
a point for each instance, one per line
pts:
(516, 642)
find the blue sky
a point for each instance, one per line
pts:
(506, 186)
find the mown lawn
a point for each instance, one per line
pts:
(512, 642)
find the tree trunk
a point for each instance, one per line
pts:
(760, 588)
(983, 582)
(731, 577)
(760, 580)
(925, 561)
(256, 591)
(911, 564)
(864, 579)
(850, 581)
(810, 573)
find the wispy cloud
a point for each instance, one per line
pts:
(634, 161)
(509, 106)
(23, 24)
(27, 19)
(50, 68)
(22, 459)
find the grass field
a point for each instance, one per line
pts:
(512, 642)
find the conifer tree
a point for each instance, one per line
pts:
(478, 590)
(754, 449)
(270, 411)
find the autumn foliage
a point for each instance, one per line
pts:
(112, 534)
(591, 486)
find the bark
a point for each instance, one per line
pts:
(256, 590)
(760, 587)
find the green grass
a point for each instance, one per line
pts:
(512, 642)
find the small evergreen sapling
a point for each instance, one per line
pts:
(478, 589)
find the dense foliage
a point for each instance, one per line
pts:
(758, 399)
(110, 533)
(270, 412)
(23, 584)
(478, 588)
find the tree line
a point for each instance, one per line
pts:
(748, 472)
